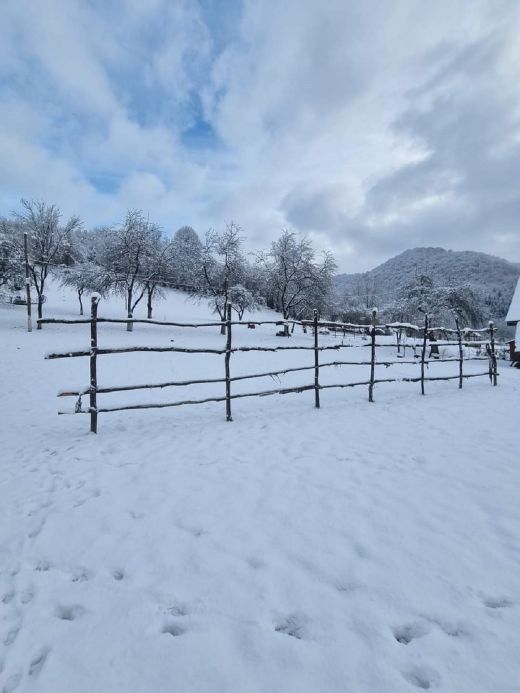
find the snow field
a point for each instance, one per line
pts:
(365, 548)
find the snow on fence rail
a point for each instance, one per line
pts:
(93, 390)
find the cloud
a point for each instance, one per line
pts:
(371, 131)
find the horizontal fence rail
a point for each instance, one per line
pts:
(371, 331)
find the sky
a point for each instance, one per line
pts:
(370, 127)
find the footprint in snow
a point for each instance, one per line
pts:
(43, 566)
(38, 660)
(12, 683)
(178, 609)
(497, 602)
(422, 677)
(70, 612)
(408, 632)
(118, 574)
(292, 625)
(36, 528)
(11, 635)
(8, 596)
(81, 574)
(173, 629)
(27, 595)
(348, 587)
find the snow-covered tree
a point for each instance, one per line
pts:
(296, 282)
(441, 303)
(222, 266)
(125, 253)
(186, 257)
(86, 277)
(242, 300)
(49, 241)
(157, 266)
(11, 259)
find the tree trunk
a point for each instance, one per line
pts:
(129, 325)
(40, 309)
(223, 320)
(149, 304)
(80, 293)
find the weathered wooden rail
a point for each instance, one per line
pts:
(93, 390)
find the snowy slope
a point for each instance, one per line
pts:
(493, 279)
(364, 548)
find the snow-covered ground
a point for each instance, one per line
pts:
(364, 548)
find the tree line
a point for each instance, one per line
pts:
(443, 302)
(137, 261)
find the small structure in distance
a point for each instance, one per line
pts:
(513, 319)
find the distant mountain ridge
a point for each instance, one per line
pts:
(492, 278)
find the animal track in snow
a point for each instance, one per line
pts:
(177, 610)
(70, 612)
(292, 625)
(497, 602)
(118, 574)
(173, 629)
(11, 635)
(348, 587)
(43, 566)
(8, 596)
(256, 563)
(80, 574)
(405, 634)
(37, 661)
(422, 677)
(36, 529)
(12, 683)
(27, 595)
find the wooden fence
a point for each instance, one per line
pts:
(93, 390)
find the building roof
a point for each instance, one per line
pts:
(513, 314)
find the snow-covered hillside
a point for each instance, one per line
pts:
(361, 547)
(493, 279)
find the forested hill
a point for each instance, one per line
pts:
(493, 279)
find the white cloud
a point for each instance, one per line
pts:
(356, 126)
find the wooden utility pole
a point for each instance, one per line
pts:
(493, 355)
(227, 357)
(372, 356)
(27, 282)
(93, 365)
(461, 353)
(316, 363)
(423, 351)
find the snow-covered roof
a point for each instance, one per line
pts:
(513, 314)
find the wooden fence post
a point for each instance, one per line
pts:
(226, 363)
(423, 352)
(372, 356)
(493, 355)
(93, 364)
(27, 283)
(316, 363)
(461, 353)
